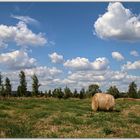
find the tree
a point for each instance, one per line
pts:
(54, 93)
(0, 84)
(49, 93)
(132, 90)
(82, 93)
(46, 93)
(41, 94)
(18, 91)
(139, 93)
(92, 89)
(113, 90)
(28, 94)
(8, 87)
(60, 94)
(123, 95)
(75, 94)
(0, 79)
(67, 92)
(2, 92)
(22, 88)
(35, 85)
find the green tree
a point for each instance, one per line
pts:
(49, 93)
(1, 79)
(60, 93)
(67, 93)
(75, 94)
(35, 85)
(46, 94)
(132, 90)
(113, 90)
(18, 91)
(54, 93)
(92, 89)
(2, 92)
(28, 94)
(8, 87)
(22, 88)
(139, 93)
(1, 84)
(82, 93)
(41, 94)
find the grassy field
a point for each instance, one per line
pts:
(71, 118)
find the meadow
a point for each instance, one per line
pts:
(67, 118)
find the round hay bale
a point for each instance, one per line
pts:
(102, 101)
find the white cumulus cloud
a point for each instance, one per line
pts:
(104, 78)
(118, 56)
(118, 23)
(56, 58)
(17, 60)
(21, 35)
(131, 65)
(134, 53)
(43, 71)
(79, 63)
(100, 63)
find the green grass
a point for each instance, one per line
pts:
(4, 115)
(71, 118)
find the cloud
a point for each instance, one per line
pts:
(25, 19)
(21, 35)
(56, 58)
(104, 79)
(116, 75)
(118, 56)
(90, 76)
(3, 45)
(131, 66)
(17, 60)
(134, 53)
(130, 78)
(43, 71)
(118, 23)
(100, 63)
(97, 76)
(51, 78)
(47, 76)
(79, 63)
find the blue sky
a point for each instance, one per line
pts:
(73, 44)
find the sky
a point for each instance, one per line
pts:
(72, 44)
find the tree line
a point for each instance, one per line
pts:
(6, 90)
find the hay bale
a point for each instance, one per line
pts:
(102, 101)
